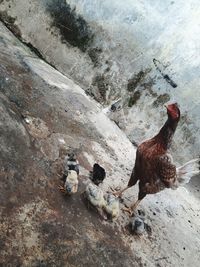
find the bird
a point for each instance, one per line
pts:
(71, 183)
(154, 167)
(137, 226)
(71, 163)
(112, 206)
(70, 175)
(98, 174)
(95, 196)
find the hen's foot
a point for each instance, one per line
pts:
(116, 193)
(129, 210)
(61, 188)
(132, 208)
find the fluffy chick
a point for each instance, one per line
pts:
(112, 206)
(95, 196)
(71, 184)
(98, 174)
(137, 226)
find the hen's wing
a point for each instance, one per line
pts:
(166, 170)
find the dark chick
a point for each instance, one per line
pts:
(98, 174)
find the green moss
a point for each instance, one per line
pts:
(73, 28)
(136, 80)
(102, 84)
(94, 55)
(161, 100)
(148, 86)
(134, 98)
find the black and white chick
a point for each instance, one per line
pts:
(98, 174)
(112, 206)
(70, 175)
(71, 163)
(137, 226)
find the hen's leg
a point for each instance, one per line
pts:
(133, 207)
(132, 181)
(120, 192)
(62, 189)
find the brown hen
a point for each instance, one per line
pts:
(154, 168)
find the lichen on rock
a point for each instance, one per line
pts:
(73, 28)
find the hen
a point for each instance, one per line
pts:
(154, 168)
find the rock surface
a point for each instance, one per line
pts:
(39, 226)
(43, 116)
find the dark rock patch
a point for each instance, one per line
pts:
(10, 23)
(134, 98)
(102, 83)
(161, 100)
(148, 86)
(73, 28)
(94, 54)
(136, 80)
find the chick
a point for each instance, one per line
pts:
(95, 196)
(138, 226)
(71, 163)
(71, 184)
(98, 174)
(112, 206)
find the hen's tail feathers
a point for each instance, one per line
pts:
(187, 171)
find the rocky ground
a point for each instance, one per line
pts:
(43, 116)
